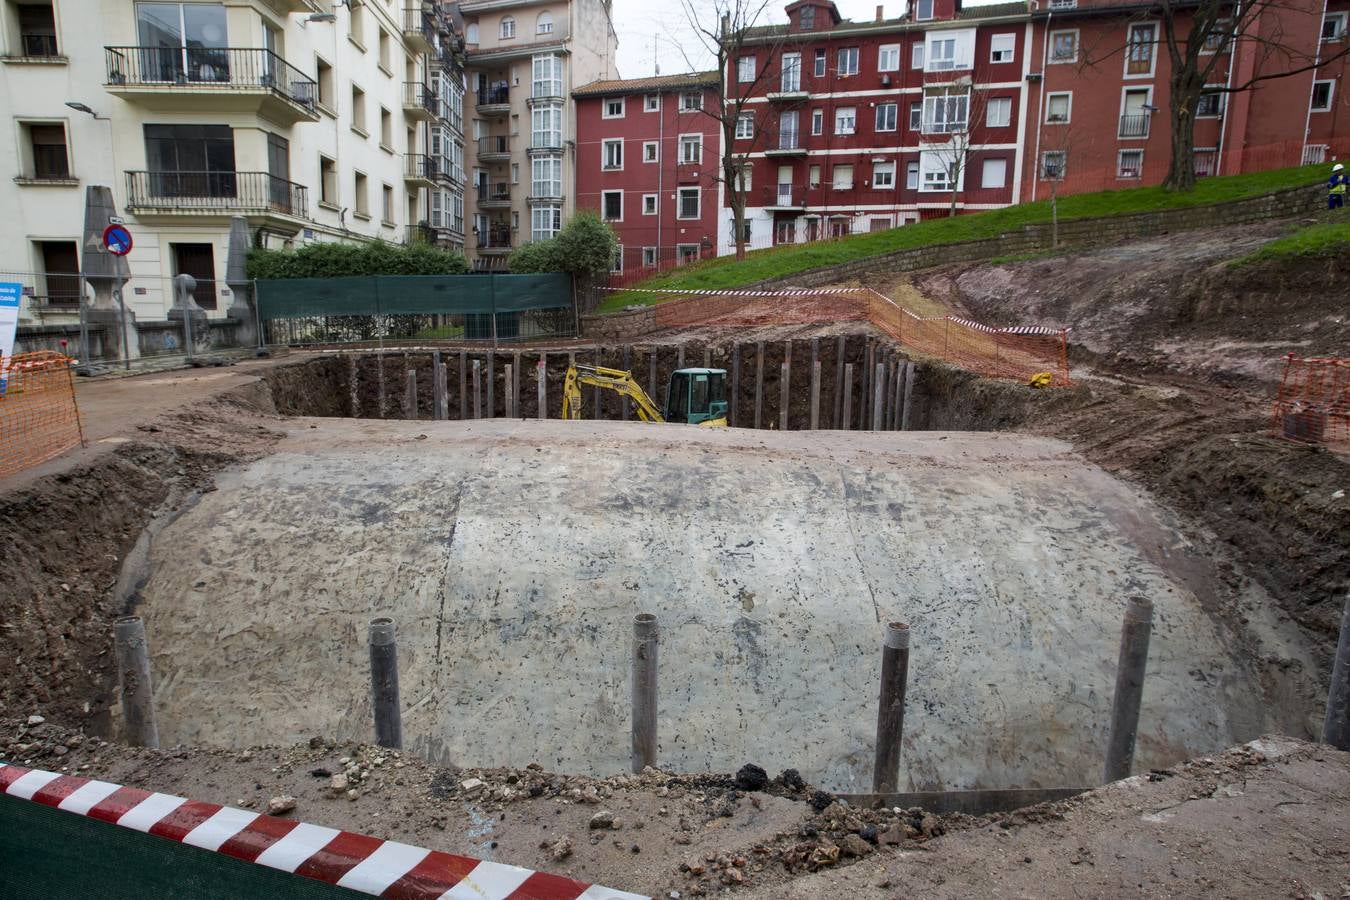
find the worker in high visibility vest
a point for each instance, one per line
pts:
(1336, 187)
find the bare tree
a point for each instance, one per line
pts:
(728, 30)
(1203, 38)
(956, 114)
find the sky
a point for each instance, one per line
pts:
(657, 31)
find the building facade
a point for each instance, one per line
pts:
(648, 163)
(313, 125)
(524, 59)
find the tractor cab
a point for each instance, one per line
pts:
(697, 397)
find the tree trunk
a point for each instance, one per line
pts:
(1185, 99)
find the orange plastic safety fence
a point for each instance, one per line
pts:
(1313, 402)
(38, 415)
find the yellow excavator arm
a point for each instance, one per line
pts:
(616, 380)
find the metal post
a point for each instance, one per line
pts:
(735, 384)
(384, 684)
(122, 312)
(439, 388)
(906, 403)
(840, 348)
(477, 389)
(897, 385)
(257, 317)
(184, 285)
(489, 377)
(510, 390)
(645, 642)
(878, 395)
(657, 396)
(784, 381)
(599, 395)
(515, 385)
(679, 357)
(1134, 635)
(815, 395)
(759, 382)
(846, 413)
(627, 349)
(410, 396)
(463, 385)
(133, 662)
(891, 707)
(1336, 726)
(84, 324)
(541, 375)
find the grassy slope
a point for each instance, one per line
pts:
(725, 272)
(1322, 239)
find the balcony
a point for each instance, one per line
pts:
(789, 89)
(420, 170)
(218, 79)
(494, 196)
(419, 102)
(496, 240)
(494, 100)
(784, 197)
(788, 144)
(418, 32)
(174, 195)
(1134, 126)
(450, 175)
(421, 233)
(494, 148)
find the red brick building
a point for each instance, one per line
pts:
(647, 157)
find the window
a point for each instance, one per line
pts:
(806, 19)
(546, 177)
(547, 76)
(648, 257)
(1210, 105)
(197, 260)
(60, 263)
(614, 108)
(649, 204)
(888, 58)
(994, 173)
(1139, 49)
(745, 126)
(689, 102)
(691, 148)
(1321, 96)
(651, 103)
(883, 175)
(686, 253)
(47, 143)
(385, 57)
(545, 222)
(916, 56)
(324, 77)
(616, 264)
(845, 120)
(842, 178)
(544, 23)
(790, 76)
(912, 176)
(814, 176)
(819, 70)
(359, 111)
(923, 10)
(471, 33)
(1333, 26)
(198, 30)
(745, 69)
(1052, 165)
(741, 177)
(945, 53)
(937, 173)
(545, 126)
(387, 204)
(688, 203)
(945, 110)
(611, 153)
(650, 151)
(1002, 47)
(817, 121)
(1058, 107)
(191, 160)
(507, 29)
(1064, 46)
(37, 29)
(1220, 34)
(998, 112)
(386, 128)
(327, 181)
(362, 193)
(611, 206)
(847, 61)
(915, 116)
(886, 116)
(356, 25)
(1129, 163)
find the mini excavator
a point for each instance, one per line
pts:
(693, 397)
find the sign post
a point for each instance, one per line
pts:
(118, 242)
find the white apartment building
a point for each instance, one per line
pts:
(316, 123)
(524, 58)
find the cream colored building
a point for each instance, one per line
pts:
(524, 58)
(316, 123)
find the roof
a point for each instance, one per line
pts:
(614, 86)
(853, 26)
(994, 11)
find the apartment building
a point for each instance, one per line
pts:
(524, 58)
(313, 125)
(648, 162)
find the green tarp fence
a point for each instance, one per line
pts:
(45, 852)
(399, 295)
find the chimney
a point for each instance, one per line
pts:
(879, 15)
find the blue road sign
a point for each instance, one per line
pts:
(117, 239)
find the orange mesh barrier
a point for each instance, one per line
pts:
(38, 415)
(1017, 353)
(1313, 403)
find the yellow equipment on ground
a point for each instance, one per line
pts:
(693, 397)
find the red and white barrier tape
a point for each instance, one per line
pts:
(723, 292)
(366, 864)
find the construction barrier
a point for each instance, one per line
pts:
(67, 836)
(39, 418)
(1313, 402)
(1020, 353)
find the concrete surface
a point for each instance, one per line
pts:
(514, 555)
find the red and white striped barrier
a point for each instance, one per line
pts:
(735, 292)
(366, 864)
